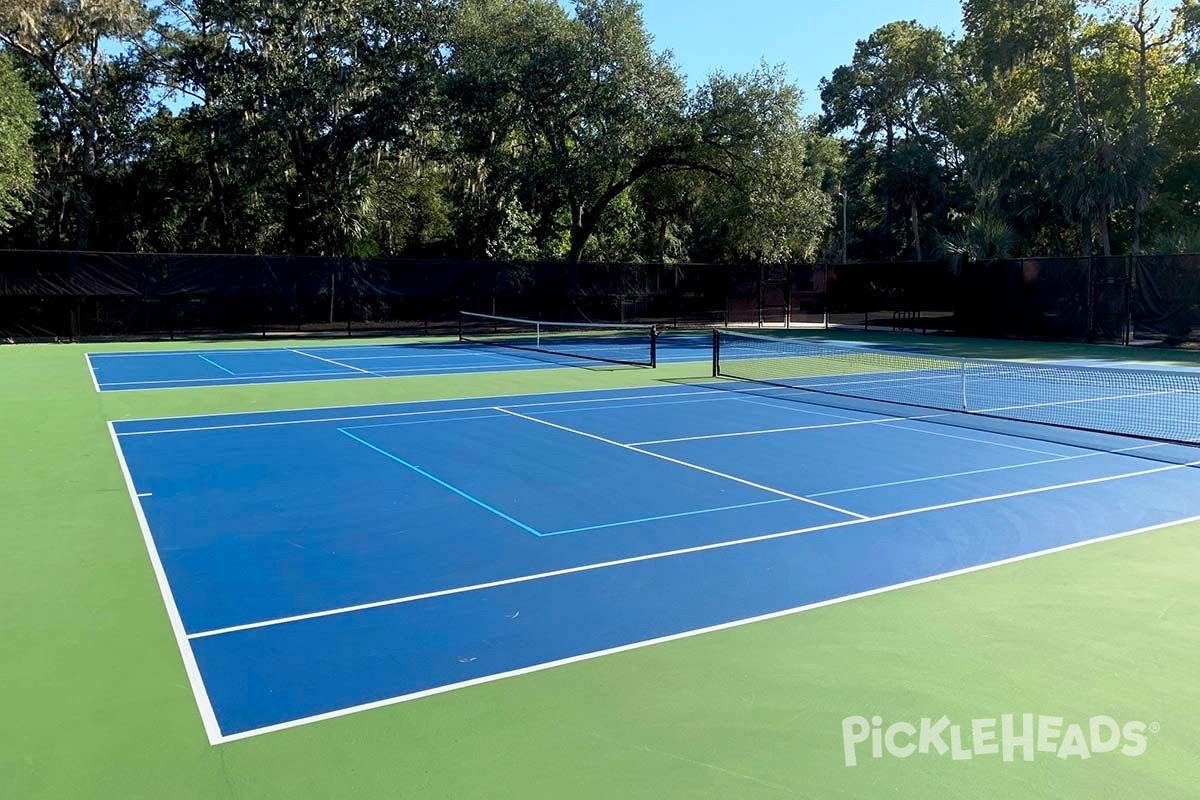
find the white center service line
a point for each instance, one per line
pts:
(687, 464)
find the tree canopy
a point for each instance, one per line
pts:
(1049, 128)
(527, 129)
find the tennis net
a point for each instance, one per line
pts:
(1149, 404)
(634, 345)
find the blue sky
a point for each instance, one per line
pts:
(810, 37)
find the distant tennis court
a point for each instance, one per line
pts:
(486, 344)
(321, 562)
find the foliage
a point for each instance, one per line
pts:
(534, 129)
(17, 116)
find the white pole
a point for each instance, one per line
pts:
(963, 368)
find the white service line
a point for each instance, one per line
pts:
(208, 360)
(336, 363)
(390, 701)
(211, 728)
(687, 464)
(846, 523)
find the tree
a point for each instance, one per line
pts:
(895, 96)
(303, 100)
(17, 116)
(91, 82)
(563, 114)
(1016, 59)
(561, 117)
(769, 202)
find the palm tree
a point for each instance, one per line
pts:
(1092, 165)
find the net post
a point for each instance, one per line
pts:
(460, 325)
(962, 368)
(716, 355)
(653, 347)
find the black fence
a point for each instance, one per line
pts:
(58, 295)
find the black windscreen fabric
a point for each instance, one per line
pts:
(1166, 300)
(57, 274)
(69, 294)
(1032, 298)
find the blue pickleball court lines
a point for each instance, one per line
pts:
(321, 562)
(177, 369)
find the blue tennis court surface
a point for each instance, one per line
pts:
(325, 561)
(165, 369)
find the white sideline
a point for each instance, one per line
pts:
(393, 372)
(1022, 465)
(764, 431)
(211, 728)
(396, 414)
(979, 441)
(92, 370)
(342, 712)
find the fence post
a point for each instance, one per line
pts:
(716, 353)
(1089, 333)
(825, 296)
(762, 277)
(787, 296)
(1130, 287)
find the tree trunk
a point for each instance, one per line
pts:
(84, 208)
(578, 236)
(581, 234)
(1072, 84)
(1137, 225)
(916, 228)
(1102, 227)
(886, 227)
(1085, 236)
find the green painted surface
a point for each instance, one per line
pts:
(94, 701)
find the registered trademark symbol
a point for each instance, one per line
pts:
(1155, 727)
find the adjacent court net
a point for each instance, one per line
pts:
(1147, 404)
(634, 345)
